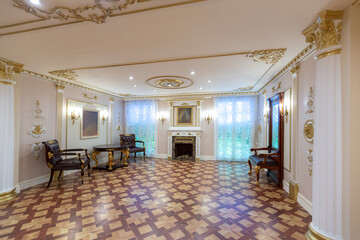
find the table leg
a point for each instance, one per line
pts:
(126, 152)
(94, 154)
(111, 159)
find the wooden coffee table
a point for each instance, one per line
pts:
(110, 148)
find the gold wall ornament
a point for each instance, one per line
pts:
(310, 159)
(36, 149)
(68, 74)
(169, 82)
(37, 112)
(326, 31)
(8, 69)
(97, 12)
(90, 98)
(37, 130)
(60, 87)
(270, 56)
(277, 88)
(309, 131)
(311, 101)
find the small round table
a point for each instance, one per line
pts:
(110, 148)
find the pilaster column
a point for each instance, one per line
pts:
(7, 130)
(60, 110)
(327, 169)
(110, 120)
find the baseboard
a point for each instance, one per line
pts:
(207, 157)
(45, 178)
(305, 203)
(286, 186)
(161, 156)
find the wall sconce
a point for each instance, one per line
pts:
(74, 116)
(208, 118)
(162, 119)
(104, 117)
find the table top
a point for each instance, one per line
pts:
(109, 147)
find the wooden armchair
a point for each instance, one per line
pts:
(55, 162)
(269, 160)
(129, 140)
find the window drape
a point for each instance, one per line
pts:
(235, 127)
(140, 120)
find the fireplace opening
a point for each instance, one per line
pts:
(184, 148)
(183, 151)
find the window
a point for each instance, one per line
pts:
(235, 126)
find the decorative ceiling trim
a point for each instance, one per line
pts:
(81, 21)
(8, 69)
(357, 2)
(97, 12)
(270, 56)
(71, 84)
(169, 82)
(190, 95)
(70, 75)
(310, 49)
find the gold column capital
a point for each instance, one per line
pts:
(326, 31)
(8, 69)
(60, 87)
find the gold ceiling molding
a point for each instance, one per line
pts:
(97, 12)
(248, 88)
(269, 56)
(8, 69)
(326, 31)
(296, 60)
(190, 95)
(169, 82)
(70, 75)
(122, 13)
(72, 84)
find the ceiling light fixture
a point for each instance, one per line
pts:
(192, 73)
(36, 2)
(154, 90)
(131, 78)
(209, 81)
(200, 88)
(135, 85)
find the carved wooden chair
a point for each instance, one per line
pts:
(129, 140)
(55, 162)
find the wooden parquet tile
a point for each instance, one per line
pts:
(156, 199)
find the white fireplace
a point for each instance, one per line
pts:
(184, 136)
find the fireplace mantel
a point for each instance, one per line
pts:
(193, 133)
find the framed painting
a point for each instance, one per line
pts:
(90, 124)
(184, 115)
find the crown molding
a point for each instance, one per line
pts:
(71, 84)
(357, 2)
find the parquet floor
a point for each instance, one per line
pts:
(159, 199)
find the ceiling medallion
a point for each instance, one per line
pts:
(268, 56)
(97, 12)
(169, 82)
(68, 74)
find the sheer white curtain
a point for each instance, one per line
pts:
(235, 126)
(140, 119)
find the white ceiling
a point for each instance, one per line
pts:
(201, 28)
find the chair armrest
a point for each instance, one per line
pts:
(258, 149)
(50, 155)
(73, 150)
(266, 155)
(143, 143)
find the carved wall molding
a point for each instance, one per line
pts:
(268, 56)
(310, 159)
(275, 89)
(67, 74)
(8, 69)
(37, 130)
(37, 112)
(326, 31)
(90, 98)
(309, 131)
(311, 101)
(36, 149)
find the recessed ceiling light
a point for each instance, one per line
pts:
(178, 91)
(131, 77)
(200, 88)
(192, 73)
(209, 81)
(36, 2)
(135, 85)
(154, 90)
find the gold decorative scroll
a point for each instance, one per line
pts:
(8, 69)
(309, 131)
(97, 12)
(326, 31)
(68, 74)
(276, 89)
(90, 98)
(270, 56)
(245, 88)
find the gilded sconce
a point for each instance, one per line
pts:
(162, 119)
(74, 116)
(208, 118)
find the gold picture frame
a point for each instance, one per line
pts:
(184, 115)
(90, 124)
